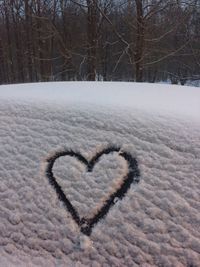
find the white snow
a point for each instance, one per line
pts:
(157, 223)
(147, 97)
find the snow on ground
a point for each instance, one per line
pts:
(156, 223)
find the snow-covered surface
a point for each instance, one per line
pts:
(146, 97)
(157, 223)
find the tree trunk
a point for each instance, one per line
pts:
(11, 75)
(139, 49)
(92, 39)
(28, 41)
(18, 51)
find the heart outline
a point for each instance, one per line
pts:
(132, 176)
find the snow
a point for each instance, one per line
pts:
(157, 223)
(147, 97)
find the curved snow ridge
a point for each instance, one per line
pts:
(157, 98)
(155, 224)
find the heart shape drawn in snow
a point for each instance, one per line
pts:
(132, 176)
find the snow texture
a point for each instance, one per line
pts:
(157, 223)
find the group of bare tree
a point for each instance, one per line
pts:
(130, 40)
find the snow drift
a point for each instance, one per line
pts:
(155, 223)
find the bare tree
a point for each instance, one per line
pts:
(141, 40)
(92, 38)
